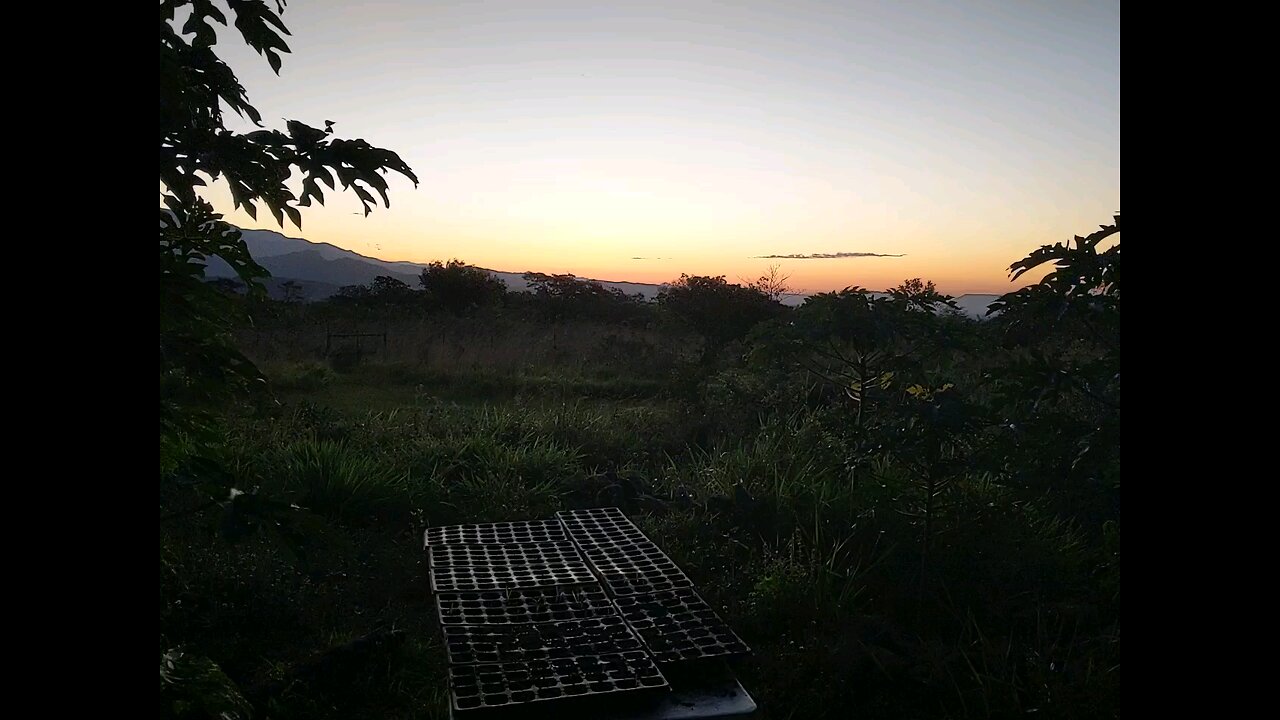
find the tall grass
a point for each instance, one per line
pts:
(338, 482)
(489, 343)
(804, 538)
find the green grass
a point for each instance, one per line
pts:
(330, 479)
(374, 387)
(803, 539)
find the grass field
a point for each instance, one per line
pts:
(816, 562)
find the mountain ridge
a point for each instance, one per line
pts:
(323, 268)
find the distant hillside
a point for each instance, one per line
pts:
(975, 304)
(329, 265)
(321, 269)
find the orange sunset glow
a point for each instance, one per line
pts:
(638, 142)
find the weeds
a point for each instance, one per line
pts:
(942, 543)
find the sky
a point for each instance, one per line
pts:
(639, 140)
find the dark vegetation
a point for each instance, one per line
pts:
(906, 514)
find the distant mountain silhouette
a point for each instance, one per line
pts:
(321, 269)
(329, 267)
(975, 304)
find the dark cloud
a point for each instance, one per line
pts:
(824, 256)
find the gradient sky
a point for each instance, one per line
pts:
(576, 136)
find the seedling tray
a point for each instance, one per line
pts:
(461, 568)
(636, 568)
(572, 617)
(480, 644)
(506, 607)
(678, 625)
(476, 688)
(600, 527)
(624, 559)
(502, 533)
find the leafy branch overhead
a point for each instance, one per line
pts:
(1064, 257)
(1081, 276)
(199, 365)
(196, 147)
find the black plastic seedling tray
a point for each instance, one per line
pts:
(572, 618)
(481, 644)
(600, 527)
(636, 568)
(462, 568)
(479, 688)
(602, 514)
(678, 625)
(502, 533)
(624, 559)
(504, 607)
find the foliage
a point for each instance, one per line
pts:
(198, 367)
(920, 295)
(1081, 274)
(716, 309)
(847, 340)
(457, 288)
(196, 147)
(557, 297)
(325, 478)
(1060, 385)
(201, 369)
(385, 293)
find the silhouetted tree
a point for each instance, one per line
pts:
(391, 291)
(457, 287)
(921, 295)
(353, 293)
(717, 310)
(773, 284)
(561, 296)
(383, 293)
